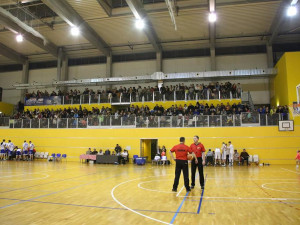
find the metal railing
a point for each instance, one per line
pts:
(101, 121)
(122, 98)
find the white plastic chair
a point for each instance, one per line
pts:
(164, 159)
(256, 159)
(250, 159)
(41, 155)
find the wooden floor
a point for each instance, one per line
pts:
(73, 193)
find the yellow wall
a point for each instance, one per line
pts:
(271, 145)
(279, 87)
(151, 105)
(6, 108)
(293, 74)
(283, 86)
(147, 148)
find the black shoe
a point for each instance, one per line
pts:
(192, 187)
(174, 190)
(202, 187)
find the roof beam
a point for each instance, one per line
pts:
(106, 7)
(69, 15)
(12, 54)
(139, 12)
(212, 35)
(277, 21)
(185, 5)
(15, 25)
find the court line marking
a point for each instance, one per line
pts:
(262, 202)
(126, 207)
(264, 186)
(180, 191)
(240, 198)
(39, 171)
(52, 193)
(39, 178)
(290, 170)
(91, 206)
(17, 189)
(200, 203)
(223, 178)
(178, 210)
(147, 189)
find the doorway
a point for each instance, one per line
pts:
(148, 148)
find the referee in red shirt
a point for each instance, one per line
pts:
(181, 150)
(199, 150)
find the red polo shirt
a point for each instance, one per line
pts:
(181, 151)
(197, 149)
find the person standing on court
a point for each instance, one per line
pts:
(199, 150)
(181, 151)
(231, 153)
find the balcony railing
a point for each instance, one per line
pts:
(128, 98)
(101, 121)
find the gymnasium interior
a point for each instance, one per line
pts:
(94, 95)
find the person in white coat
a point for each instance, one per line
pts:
(2, 149)
(25, 150)
(231, 153)
(31, 147)
(224, 153)
(10, 147)
(217, 156)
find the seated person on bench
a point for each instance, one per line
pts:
(244, 157)
(210, 158)
(236, 157)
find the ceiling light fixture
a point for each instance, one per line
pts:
(139, 24)
(291, 11)
(75, 31)
(19, 38)
(212, 17)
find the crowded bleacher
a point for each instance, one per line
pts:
(135, 110)
(212, 91)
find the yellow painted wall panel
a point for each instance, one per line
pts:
(271, 145)
(6, 108)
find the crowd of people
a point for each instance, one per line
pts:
(123, 156)
(144, 116)
(226, 156)
(9, 151)
(211, 90)
(135, 110)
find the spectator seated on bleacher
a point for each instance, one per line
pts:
(211, 90)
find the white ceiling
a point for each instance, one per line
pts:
(238, 24)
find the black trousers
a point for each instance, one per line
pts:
(227, 159)
(210, 160)
(245, 159)
(181, 165)
(200, 169)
